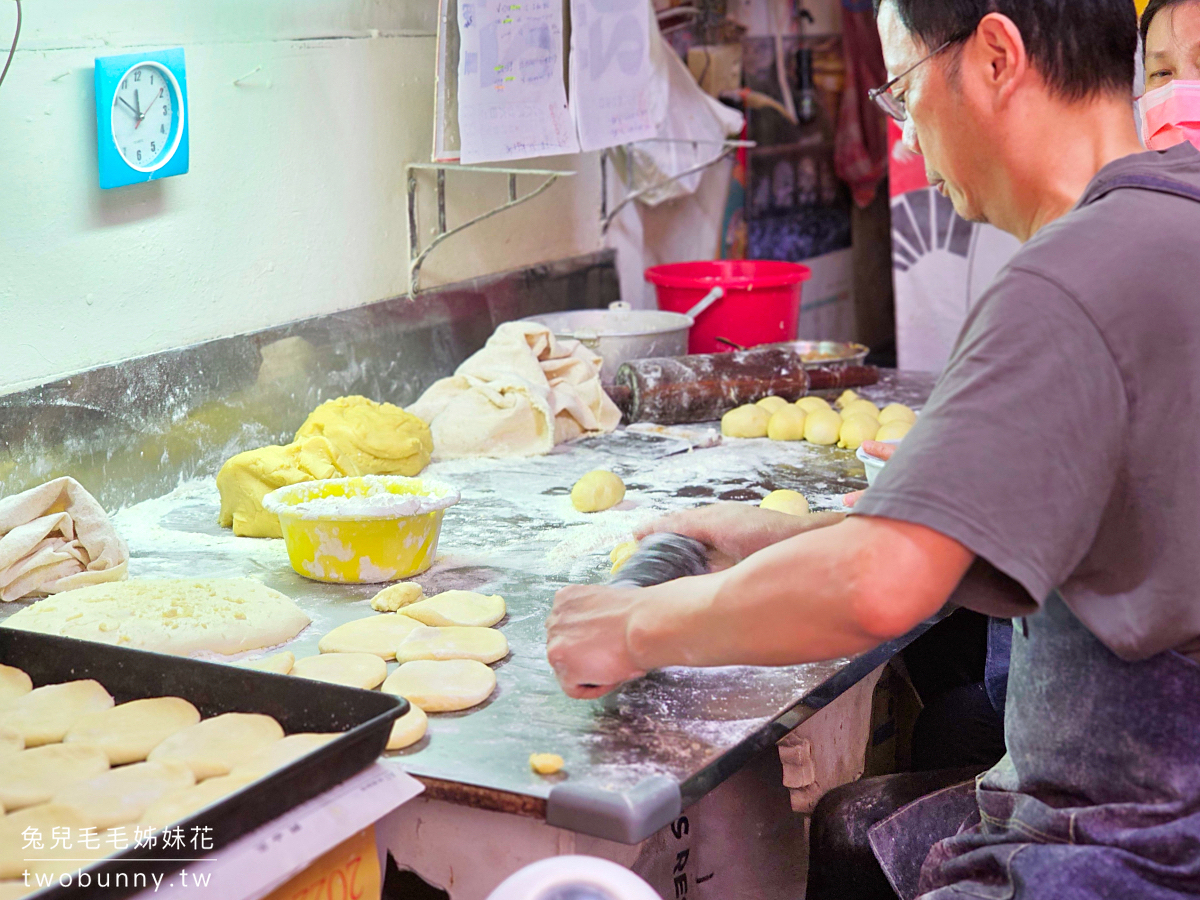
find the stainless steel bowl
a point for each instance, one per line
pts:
(827, 354)
(618, 335)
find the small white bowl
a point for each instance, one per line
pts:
(872, 464)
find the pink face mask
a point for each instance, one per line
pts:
(1171, 115)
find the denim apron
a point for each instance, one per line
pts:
(1099, 793)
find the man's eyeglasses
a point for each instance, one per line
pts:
(891, 104)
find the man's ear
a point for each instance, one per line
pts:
(998, 52)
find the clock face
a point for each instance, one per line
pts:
(144, 114)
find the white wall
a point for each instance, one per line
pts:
(295, 203)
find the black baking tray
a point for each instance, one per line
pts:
(364, 719)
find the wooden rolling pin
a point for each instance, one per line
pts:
(701, 388)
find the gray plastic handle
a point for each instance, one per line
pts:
(628, 818)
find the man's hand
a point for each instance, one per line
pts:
(736, 530)
(879, 450)
(586, 641)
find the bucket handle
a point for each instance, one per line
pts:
(709, 299)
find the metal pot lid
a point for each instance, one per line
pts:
(590, 324)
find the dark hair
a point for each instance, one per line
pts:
(1153, 8)
(1080, 47)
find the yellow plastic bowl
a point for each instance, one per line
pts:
(361, 530)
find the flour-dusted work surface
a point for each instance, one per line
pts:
(515, 533)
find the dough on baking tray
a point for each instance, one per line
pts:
(545, 763)
(856, 429)
(397, 596)
(860, 408)
(371, 438)
(486, 645)
(13, 684)
(170, 808)
(787, 424)
(409, 728)
(791, 502)
(772, 404)
(357, 670)
(747, 421)
(43, 819)
(442, 685)
(274, 756)
(813, 404)
(822, 427)
(896, 412)
(458, 608)
(47, 713)
(128, 732)
(15, 890)
(34, 776)
(214, 746)
(10, 742)
(597, 491)
(170, 615)
(378, 634)
(122, 795)
(620, 555)
(279, 663)
(893, 431)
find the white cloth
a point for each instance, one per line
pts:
(56, 537)
(520, 395)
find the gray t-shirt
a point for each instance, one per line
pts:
(1062, 443)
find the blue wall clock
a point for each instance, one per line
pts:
(141, 117)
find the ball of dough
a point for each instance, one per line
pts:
(860, 408)
(745, 422)
(848, 396)
(787, 424)
(813, 404)
(545, 763)
(793, 503)
(597, 491)
(397, 596)
(822, 427)
(855, 430)
(896, 412)
(772, 404)
(409, 728)
(893, 431)
(620, 555)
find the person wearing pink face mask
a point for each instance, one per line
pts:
(1170, 109)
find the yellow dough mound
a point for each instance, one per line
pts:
(787, 424)
(793, 503)
(822, 427)
(597, 491)
(749, 421)
(856, 429)
(248, 477)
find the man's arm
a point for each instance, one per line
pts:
(825, 594)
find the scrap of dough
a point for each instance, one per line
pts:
(787, 424)
(279, 663)
(442, 685)
(597, 491)
(10, 742)
(458, 608)
(44, 819)
(177, 805)
(791, 502)
(14, 683)
(377, 635)
(896, 412)
(860, 408)
(747, 421)
(120, 796)
(620, 555)
(822, 427)
(857, 429)
(409, 728)
(170, 615)
(274, 756)
(893, 431)
(246, 478)
(34, 776)
(371, 438)
(545, 763)
(847, 396)
(47, 713)
(485, 645)
(813, 404)
(214, 746)
(397, 596)
(357, 670)
(128, 732)
(772, 404)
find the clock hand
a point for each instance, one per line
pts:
(141, 115)
(130, 108)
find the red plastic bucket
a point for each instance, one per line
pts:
(761, 303)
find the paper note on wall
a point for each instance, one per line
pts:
(512, 103)
(611, 77)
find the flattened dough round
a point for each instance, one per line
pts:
(128, 732)
(169, 615)
(216, 745)
(279, 663)
(377, 635)
(122, 795)
(485, 645)
(44, 818)
(442, 685)
(597, 491)
(409, 728)
(47, 713)
(749, 421)
(793, 503)
(14, 683)
(277, 755)
(397, 596)
(172, 807)
(458, 608)
(34, 776)
(10, 742)
(357, 670)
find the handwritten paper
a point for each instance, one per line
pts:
(512, 103)
(611, 75)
